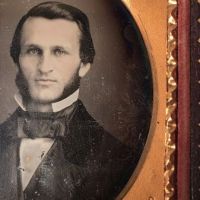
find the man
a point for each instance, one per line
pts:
(51, 148)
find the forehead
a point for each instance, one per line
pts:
(42, 30)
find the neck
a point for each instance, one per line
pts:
(39, 107)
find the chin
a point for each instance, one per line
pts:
(46, 97)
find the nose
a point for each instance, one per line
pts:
(45, 65)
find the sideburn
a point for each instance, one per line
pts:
(22, 85)
(72, 87)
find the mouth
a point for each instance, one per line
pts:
(45, 81)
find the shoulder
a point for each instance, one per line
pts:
(84, 121)
(7, 127)
(94, 135)
(82, 114)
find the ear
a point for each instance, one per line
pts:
(84, 68)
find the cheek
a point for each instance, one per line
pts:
(68, 69)
(28, 66)
(68, 75)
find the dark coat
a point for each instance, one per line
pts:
(88, 163)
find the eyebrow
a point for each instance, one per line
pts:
(39, 47)
(59, 47)
(32, 46)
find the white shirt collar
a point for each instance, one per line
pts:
(57, 106)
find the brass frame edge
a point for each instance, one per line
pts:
(170, 134)
(129, 6)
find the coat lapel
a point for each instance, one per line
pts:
(56, 177)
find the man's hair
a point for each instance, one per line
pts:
(57, 10)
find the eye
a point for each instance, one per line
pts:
(59, 52)
(34, 51)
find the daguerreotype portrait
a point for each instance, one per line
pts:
(76, 97)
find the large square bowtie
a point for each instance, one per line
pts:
(44, 125)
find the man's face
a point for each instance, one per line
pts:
(50, 57)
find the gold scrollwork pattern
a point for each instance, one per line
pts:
(170, 143)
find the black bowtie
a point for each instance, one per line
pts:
(44, 125)
(37, 128)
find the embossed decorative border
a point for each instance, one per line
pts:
(170, 136)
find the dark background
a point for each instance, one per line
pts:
(118, 89)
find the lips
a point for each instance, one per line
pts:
(45, 81)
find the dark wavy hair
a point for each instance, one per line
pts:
(57, 10)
